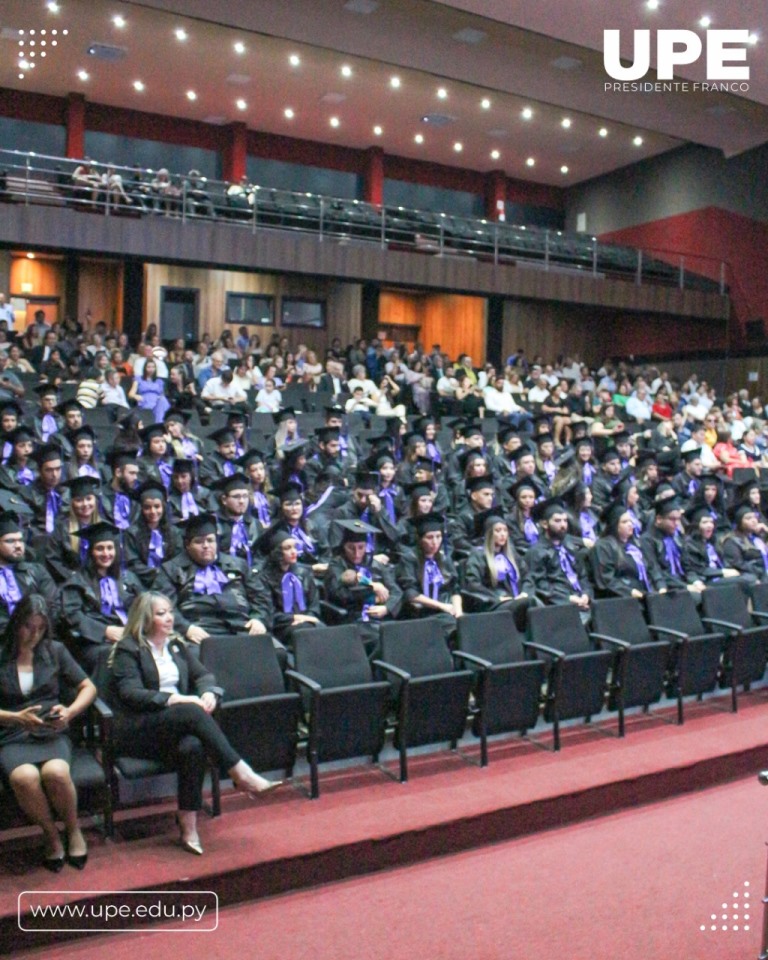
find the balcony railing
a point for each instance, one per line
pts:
(112, 190)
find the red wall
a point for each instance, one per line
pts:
(721, 235)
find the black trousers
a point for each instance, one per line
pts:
(181, 737)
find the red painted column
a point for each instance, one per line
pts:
(374, 176)
(235, 153)
(75, 126)
(495, 194)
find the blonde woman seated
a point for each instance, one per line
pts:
(163, 698)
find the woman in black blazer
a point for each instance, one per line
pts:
(34, 749)
(163, 699)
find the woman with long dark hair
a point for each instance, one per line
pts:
(163, 699)
(619, 565)
(428, 578)
(95, 599)
(35, 752)
(148, 391)
(152, 539)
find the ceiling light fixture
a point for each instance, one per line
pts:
(458, 147)
(181, 34)
(346, 70)
(638, 141)
(442, 93)
(377, 131)
(495, 154)
(191, 95)
(288, 113)
(334, 121)
(119, 22)
(138, 85)
(239, 46)
(241, 105)
(53, 6)
(419, 138)
(527, 113)
(394, 82)
(530, 162)
(563, 169)
(752, 39)
(705, 22)
(566, 123)
(603, 131)
(652, 4)
(83, 74)
(294, 59)
(485, 103)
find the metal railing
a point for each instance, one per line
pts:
(114, 190)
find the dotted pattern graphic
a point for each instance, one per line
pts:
(34, 45)
(731, 922)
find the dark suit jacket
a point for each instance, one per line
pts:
(134, 683)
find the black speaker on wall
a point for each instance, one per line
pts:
(755, 330)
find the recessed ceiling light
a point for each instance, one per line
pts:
(705, 22)
(752, 39)
(638, 141)
(563, 169)
(239, 46)
(346, 70)
(495, 154)
(652, 4)
(30, 256)
(241, 105)
(565, 122)
(138, 85)
(419, 138)
(83, 74)
(288, 113)
(458, 147)
(377, 131)
(53, 6)
(191, 95)
(181, 34)
(294, 59)
(530, 162)
(485, 103)
(334, 121)
(527, 113)
(21, 76)
(119, 21)
(24, 64)
(603, 131)
(394, 82)
(442, 93)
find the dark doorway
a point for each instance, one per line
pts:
(179, 313)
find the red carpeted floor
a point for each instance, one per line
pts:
(638, 885)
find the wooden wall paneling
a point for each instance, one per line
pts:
(343, 300)
(457, 323)
(100, 291)
(43, 278)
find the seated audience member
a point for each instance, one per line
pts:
(20, 576)
(36, 674)
(237, 528)
(664, 541)
(428, 578)
(65, 551)
(744, 549)
(96, 598)
(220, 463)
(620, 567)
(357, 583)
(214, 594)
(151, 539)
(163, 700)
(186, 497)
(702, 559)
(47, 423)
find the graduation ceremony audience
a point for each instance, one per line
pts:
(254, 490)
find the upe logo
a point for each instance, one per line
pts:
(676, 48)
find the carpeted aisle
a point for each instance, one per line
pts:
(636, 885)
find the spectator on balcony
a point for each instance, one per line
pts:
(113, 187)
(167, 195)
(196, 198)
(86, 181)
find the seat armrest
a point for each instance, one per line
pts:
(736, 627)
(549, 651)
(471, 658)
(677, 634)
(614, 641)
(303, 681)
(391, 669)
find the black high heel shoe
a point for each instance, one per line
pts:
(54, 864)
(77, 860)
